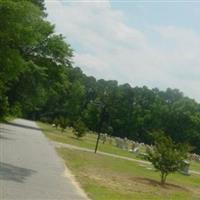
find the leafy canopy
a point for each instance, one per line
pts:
(166, 156)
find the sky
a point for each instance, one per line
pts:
(152, 43)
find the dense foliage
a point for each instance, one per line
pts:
(79, 129)
(166, 156)
(38, 81)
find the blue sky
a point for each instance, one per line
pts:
(153, 43)
(177, 13)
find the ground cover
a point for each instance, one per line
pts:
(88, 141)
(107, 178)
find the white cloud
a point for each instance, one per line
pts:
(108, 48)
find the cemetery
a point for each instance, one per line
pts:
(126, 147)
(113, 88)
(122, 179)
(105, 178)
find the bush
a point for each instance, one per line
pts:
(79, 129)
(56, 122)
(16, 110)
(166, 156)
(63, 123)
(3, 107)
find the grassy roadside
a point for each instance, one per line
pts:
(107, 178)
(195, 166)
(87, 141)
(7, 119)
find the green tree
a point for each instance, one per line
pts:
(63, 122)
(39, 3)
(32, 57)
(21, 30)
(38, 81)
(166, 156)
(79, 129)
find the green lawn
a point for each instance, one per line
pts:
(107, 178)
(87, 141)
(195, 166)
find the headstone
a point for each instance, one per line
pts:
(125, 144)
(104, 137)
(195, 157)
(110, 140)
(119, 142)
(136, 150)
(185, 168)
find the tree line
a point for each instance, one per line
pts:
(38, 80)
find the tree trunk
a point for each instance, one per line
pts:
(163, 177)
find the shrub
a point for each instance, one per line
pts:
(63, 123)
(56, 122)
(79, 129)
(166, 156)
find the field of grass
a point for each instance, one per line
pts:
(87, 141)
(107, 178)
(195, 166)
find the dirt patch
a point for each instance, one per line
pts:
(152, 182)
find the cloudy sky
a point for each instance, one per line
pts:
(152, 43)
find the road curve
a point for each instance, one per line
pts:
(29, 166)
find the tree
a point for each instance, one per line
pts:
(166, 156)
(63, 123)
(32, 57)
(79, 129)
(38, 81)
(56, 122)
(39, 3)
(3, 106)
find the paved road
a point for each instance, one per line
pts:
(29, 166)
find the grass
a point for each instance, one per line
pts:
(195, 166)
(87, 141)
(107, 178)
(7, 119)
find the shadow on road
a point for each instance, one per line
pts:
(23, 126)
(5, 130)
(2, 137)
(13, 173)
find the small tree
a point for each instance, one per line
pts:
(63, 123)
(166, 156)
(79, 129)
(56, 122)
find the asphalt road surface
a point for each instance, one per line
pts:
(29, 166)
